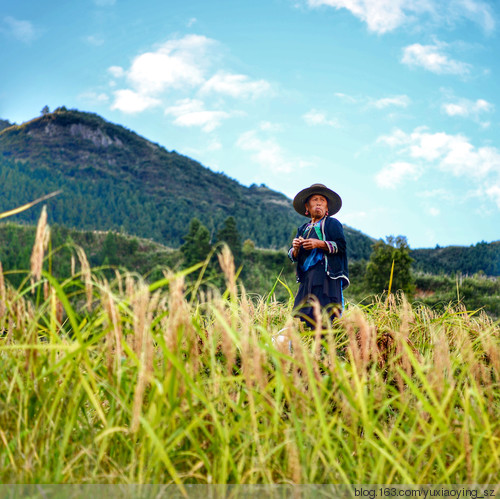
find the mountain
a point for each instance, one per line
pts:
(111, 178)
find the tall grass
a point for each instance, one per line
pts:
(119, 381)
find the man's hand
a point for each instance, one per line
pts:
(310, 244)
(296, 244)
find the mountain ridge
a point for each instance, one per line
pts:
(115, 179)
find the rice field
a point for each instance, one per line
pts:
(119, 381)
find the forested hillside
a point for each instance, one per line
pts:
(483, 257)
(113, 179)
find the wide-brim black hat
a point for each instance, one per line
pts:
(334, 200)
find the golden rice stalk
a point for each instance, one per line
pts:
(25, 207)
(178, 312)
(86, 275)
(41, 243)
(403, 336)
(143, 307)
(114, 341)
(294, 466)
(226, 262)
(442, 362)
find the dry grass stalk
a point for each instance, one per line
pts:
(86, 275)
(143, 307)
(115, 349)
(491, 349)
(226, 342)
(226, 262)
(178, 312)
(258, 361)
(293, 461)
(2, 295)
(318, 330)
(353, 347)
(441, 371)
(39, 247)
(404, 335)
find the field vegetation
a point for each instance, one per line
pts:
(109, 378)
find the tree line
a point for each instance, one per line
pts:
(390, 265)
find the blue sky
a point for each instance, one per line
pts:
(394, 104)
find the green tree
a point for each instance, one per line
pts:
(378, 270)
(110, 249)
(229, 234)
(196, 245)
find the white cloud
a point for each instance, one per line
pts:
(269, 154)
(116, 71)
(191, 112)
(21, 30)
(466, 108)
(94, 40)
(346, 97)
(391, 176)
(494, 193)
(433, 211)
(433, 58)
(235, 85)
(176, 64)
(182, 70)
(315, 118)
(440, 193)
(268, 126)
(94, 97)
(382, 16)
(132, 102)
(397, 100)
(451, 154)
(477, 11)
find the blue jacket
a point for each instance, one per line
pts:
(336, 258)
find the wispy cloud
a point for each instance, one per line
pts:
(94, 40)
(346, 97)
(319, 118)
(21, 30)
(466, 108)
(451, 154)
(94, 97)
(434, 58)
(382, 16)
(393, 175)
(235, 85)
(192, 112)
(397, 101)
(268, 154)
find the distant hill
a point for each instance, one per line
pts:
(113, 179)
(4, 124)
(482, 257)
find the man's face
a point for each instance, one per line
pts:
(317, 206)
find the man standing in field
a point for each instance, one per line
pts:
(319, 250)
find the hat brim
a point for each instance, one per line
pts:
(334, 200)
